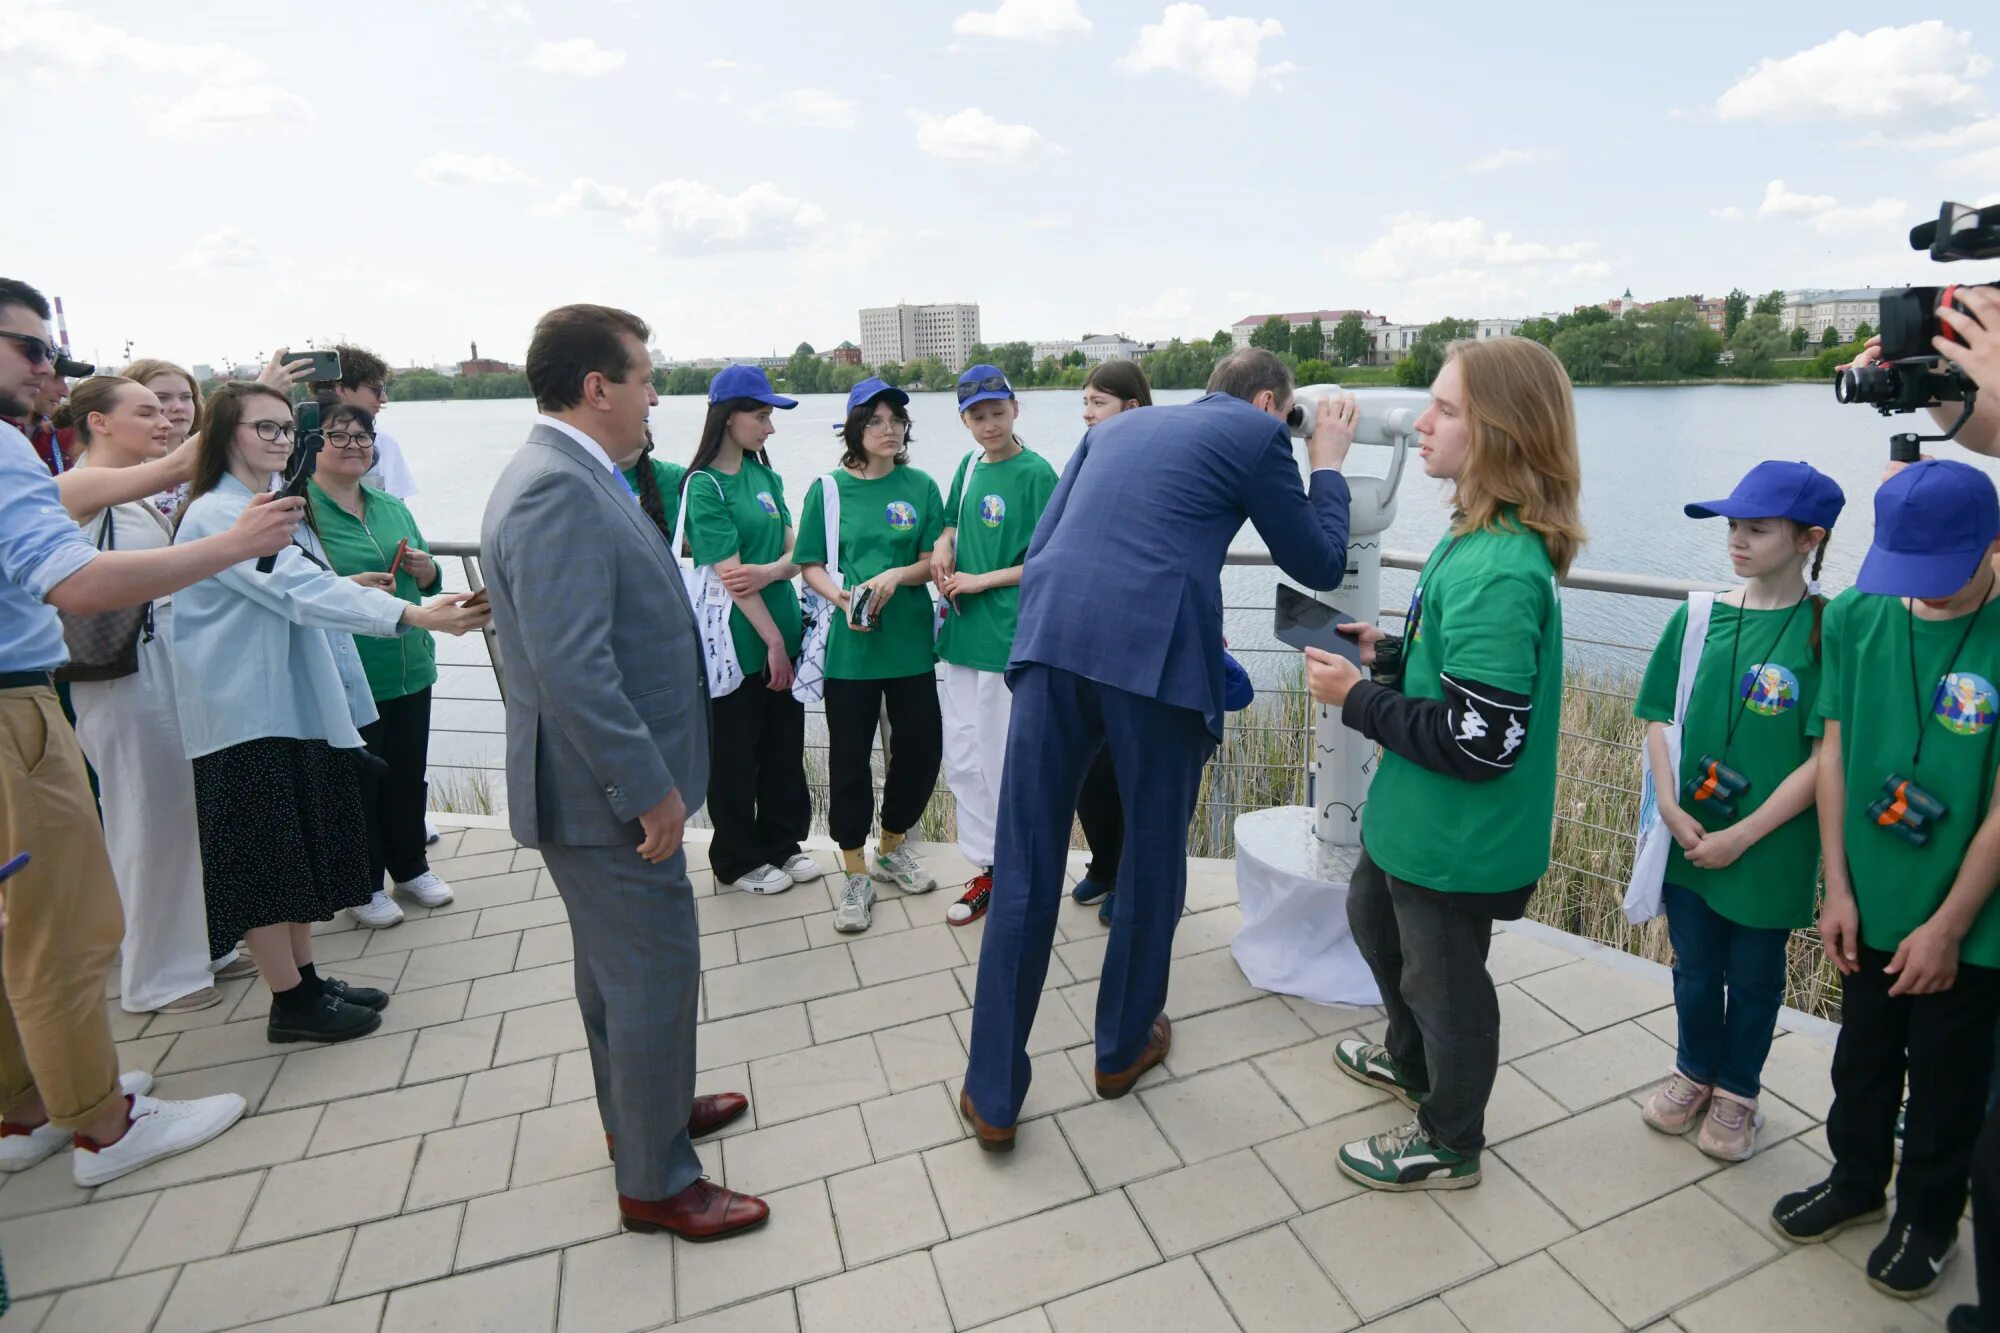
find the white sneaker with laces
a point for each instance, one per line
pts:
(902, 868)
(158, 1129)
(803, 869)
(379, 912)
(427, 889)
(21, 1149)
(765, 880)
(855, 911)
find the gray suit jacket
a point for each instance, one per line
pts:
(607, 697)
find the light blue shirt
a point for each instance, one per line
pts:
(39, 547)
(261, 655)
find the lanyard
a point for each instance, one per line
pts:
(1415, 619)
(1735, 642)
(1916, 682)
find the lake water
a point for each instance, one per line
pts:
(1645, 453)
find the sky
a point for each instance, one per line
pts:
(210, 180)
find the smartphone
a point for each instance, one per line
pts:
(1305, 622)
(325, 364)
(13, 867)
(402, 549)
(477, 599)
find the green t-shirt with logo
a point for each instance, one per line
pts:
(745, 516)
(668, 477)
(1769, 699)
(1866, 687)
(1487, 608)
(995, 516)
(884, 524)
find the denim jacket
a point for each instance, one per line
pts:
(262, 655)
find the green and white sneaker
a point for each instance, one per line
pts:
(1366, 1062)
(902, 868)
(1407, 1159)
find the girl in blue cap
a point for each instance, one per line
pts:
(1743, 868)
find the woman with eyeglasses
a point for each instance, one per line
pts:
(363, 530)
(880, 653)
(272, 693)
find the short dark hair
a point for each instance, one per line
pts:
(358, 366)
(573, 341)
(1123, 380)
(855, 429)
(339, 412)
(1245, 374)
(15, 292)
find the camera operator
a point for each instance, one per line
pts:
(1976, 352)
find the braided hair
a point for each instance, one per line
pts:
(1818, 599)
(649, 490)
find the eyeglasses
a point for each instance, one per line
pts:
(39, 351)
(991, 384)
(341, 439)
(273, 431)
(893, 426)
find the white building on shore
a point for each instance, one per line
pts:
(1841, 311)
(1240, 331)
(904, 333)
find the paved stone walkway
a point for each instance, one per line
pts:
(448, 1173)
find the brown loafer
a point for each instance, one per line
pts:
(1111, 1086)
(992, 1138)
(708, 1114)
(702, 1211)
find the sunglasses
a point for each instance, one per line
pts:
(991, 384)
(39, 351)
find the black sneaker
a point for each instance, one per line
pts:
(1810, 1216)
(365, 996)
(330, 1019)
(1910, 1261)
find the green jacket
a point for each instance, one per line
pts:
(406, 663)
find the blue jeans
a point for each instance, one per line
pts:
(1729, 982)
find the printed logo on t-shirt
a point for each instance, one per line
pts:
(901, 515)
(992, 510)
(769, 503)
(1769, 689)
(1965, 702)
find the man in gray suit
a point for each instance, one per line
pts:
(607, 753)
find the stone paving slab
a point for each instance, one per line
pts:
(448, 1172)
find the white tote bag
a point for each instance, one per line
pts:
(712, 604)
(1649, 862)
(809, 680)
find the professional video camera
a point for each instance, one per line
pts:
(71, 369)
(1911, 374)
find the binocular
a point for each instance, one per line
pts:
(1907, 810)
(861, 608)
(1714, 788)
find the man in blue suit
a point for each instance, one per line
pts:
(1119, 645)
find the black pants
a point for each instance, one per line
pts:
(1103, 819)
(1428, 952)
(1986, 1220)
(916, 749)
(758, 800)
(1944, 1042)
(400, 736)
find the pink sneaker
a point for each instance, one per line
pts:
(1677, 1104)
(1730, 1131)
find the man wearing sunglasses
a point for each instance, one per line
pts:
(58, 1068)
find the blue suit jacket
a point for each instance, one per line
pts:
(1123, 581)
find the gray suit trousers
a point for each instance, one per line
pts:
(638, 983)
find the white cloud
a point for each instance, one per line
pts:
(1825, 214)
(1225, 53)
(1511, 157)
(225, 247)
(1728, 213)
(694, 218)
(1416, 244)
(1174, 306)
(1427, 267)
(973, 136)
(1975, 148)
(1781, 201)
(219, 108)
(1025, 20)
(814, 108)
(719, 63)
(1883, 75)
(575, 55)
(471, 169)
(510, 12)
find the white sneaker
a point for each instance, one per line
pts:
(21, 1150)
(855, 911)
(427, 889)
(803, 869)
(430, 831)
(902, 868)
(379, 912)
(764, 880)
(158, 1129)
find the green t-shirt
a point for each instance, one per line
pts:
(668, 475)
(1488, 609)
(406, 663)
(884, 524)
(995, 523)
(1866, 688)
(746, 517)
(1771, 703)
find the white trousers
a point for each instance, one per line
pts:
(976, 707)
(131, 733)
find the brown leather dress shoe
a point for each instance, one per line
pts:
(992, 1138)
(702, 1211)
(1110, 1086)
(707, 1115)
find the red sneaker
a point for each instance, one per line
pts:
(969, 908)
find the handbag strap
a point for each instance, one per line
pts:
(829, 508)
(965, 484)
(107, 540)
(1700, 608)
(680, 517)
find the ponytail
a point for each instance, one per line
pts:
(649, 492)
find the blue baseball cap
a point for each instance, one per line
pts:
(867, 392)
(981, 384)
(1797, 491)
(745, 382)
(1934, 523)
